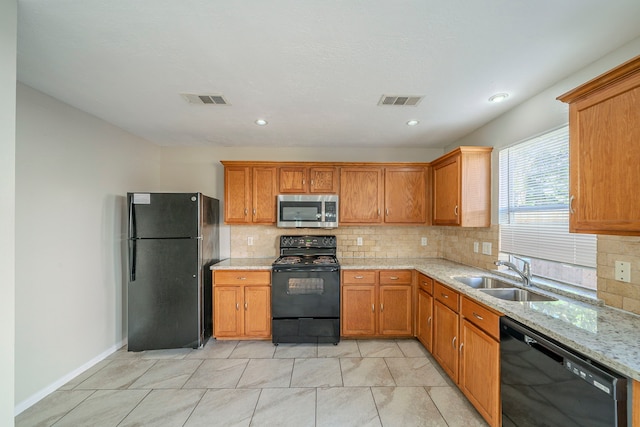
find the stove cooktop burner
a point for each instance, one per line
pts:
(307, 260)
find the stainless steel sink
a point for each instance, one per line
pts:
(483, 282)
(515, 294)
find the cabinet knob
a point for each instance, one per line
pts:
(444, 295)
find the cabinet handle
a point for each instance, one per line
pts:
(455, 210)
(381, 308)
(444, 295)
(461, 345)
(254, 211)
(429, 320)
(237, 306)
(245, 306)
(477, 316)
(358, 277)
(378, 211)
(312, 184)
(241, 278)
(393, 277)
(246, 211)
(571, 211)
(303, 181)
(453, 342)
(386, 211)
(373, 308)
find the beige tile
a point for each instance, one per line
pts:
(224, 408)
(163, 408)
(455, 408)
(322, 372)
(379, 348)
(406, 407)
(253, 350)
(346, 407)
(412, 348)
(167, 374)
(267, 373)
(414, 371)
(217, 373)
(118, 374)
(294, 407)
(214, 349)
(84, 375)
(51, 408)
(292, 351)
(345, 348)
(358, 372)
(172, 353)
(104, 408)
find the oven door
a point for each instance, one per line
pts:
(305, 292)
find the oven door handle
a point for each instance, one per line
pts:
(304, 270)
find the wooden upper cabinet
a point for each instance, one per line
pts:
(301, 180)
(361, 194)
(249, 195)
(462, 187)
(405, 195)
(604, 134)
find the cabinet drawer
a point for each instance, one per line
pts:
(482, 317)
(447, 296)
(242, 277)
(354, 277)
(426, 283)
(395, 277)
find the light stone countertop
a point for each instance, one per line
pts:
(604, 334)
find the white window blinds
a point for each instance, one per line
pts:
(534, 202)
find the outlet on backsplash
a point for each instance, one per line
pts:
(486, 248)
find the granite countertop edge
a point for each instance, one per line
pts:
(615, 342)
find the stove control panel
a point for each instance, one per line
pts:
(307, 242)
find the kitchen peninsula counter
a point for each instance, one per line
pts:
(607, 335)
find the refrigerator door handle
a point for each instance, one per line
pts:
(132, 260)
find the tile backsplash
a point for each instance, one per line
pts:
(615, 293)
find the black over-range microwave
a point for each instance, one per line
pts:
(308, 211)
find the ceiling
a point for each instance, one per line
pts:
(314, 69)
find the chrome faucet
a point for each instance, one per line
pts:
(526, 269)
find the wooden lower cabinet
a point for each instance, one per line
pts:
(479, 377)
(445, 337)
(424, 323)
(376, 303)
(242, 304)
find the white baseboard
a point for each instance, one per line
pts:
(35, 398)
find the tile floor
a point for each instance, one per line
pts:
(254, 383)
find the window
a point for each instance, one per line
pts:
(534, 211)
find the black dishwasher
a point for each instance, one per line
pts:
(542, 383)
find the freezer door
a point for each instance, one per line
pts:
(163, 215)
(164, 296)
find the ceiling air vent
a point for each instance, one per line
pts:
(400, 100)
(204, 99)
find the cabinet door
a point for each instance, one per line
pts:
(323, 180)
(604, 151)
(361, 195)
(395, 310)
(425, 319)
(445, 338)
(227, 313)
(237, 194)
(479, 371)
(446, 192)
(358, 315)
(293, 179)
(264, 195)
(405, 195)
(257, 311)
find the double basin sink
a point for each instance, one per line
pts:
(502, 290)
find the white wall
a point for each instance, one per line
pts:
(72, 174)
(8, 26)
(539, 114)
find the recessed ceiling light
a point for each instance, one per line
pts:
(412, 122)
(499, 97)
(261, 122)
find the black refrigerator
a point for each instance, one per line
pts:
(173, 240)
